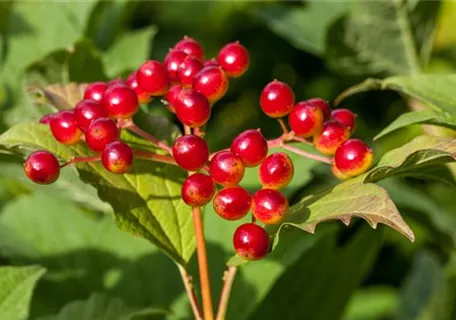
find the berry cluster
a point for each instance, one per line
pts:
(189, 85)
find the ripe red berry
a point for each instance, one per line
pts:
(191, 47)
(42, 167)
(331, 137)
(95, 91)
(100, 133)
(251, 147)
(117, 157)
(116, 82)
(211, 62)
(323, 105)
(276, 171)
(212, 82)
(346, 117)
(277, 99)
(336, 172)
(305, 119)
(46, 119)
(171, 97)
(64, 127)
(234, 59)
(226, 168)
(87, 111)
(190, 152)
(353, 157)
(120, 101)
(172, 62)
(188, 69)
(251, 241)
(192, 108)
(153, 78)
(232, 203)
(198, 190)
(269, 206)
(143, 96)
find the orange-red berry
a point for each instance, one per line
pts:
(332, 135)
(191, 47)
(198, 190)
(346, 117)
(305, 119)
(226, 168)
(276, 171)
(121, 102)
(251, 146)
(232, 203)
(153, 78)
(234, 59)
(269, 206)
(117, 157)
(42, 167)
(212, 82)
(353, 157)
(100, 133)
(277, 99)
(251, 242)
(64, 127)
(190, 152)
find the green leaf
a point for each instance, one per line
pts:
(393, 37)
(146, 201)
(433, 117)
(372, 303)
(304, 27)
(16, 288)
(128, 52)
(85, 64)
(101, 307)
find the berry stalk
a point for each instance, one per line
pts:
(81, 160)
(306, 154)
(228, 281)
(130, 125)
(155, 157)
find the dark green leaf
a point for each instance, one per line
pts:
(85, 64)
(372, 303)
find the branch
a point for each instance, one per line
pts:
(155, 157)
(283, 126)
(306, 154)
(228, 279)
(81, 160)
(187, 280)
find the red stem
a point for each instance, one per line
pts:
(155, 157)
(306, 154)
(130, 125)
(81, 160)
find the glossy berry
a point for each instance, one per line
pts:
(46, 119)
(42, 167)
(95, 91)
(346, 117)
(226, 168)
(211, 62)
(323, 105)
(276, 171)
(172, 62)
(153, 78)
(143, 96)
(117, 157)
(332, 135)
(251, 147)
(121, 102)
(234, 59)
(277, 99)
(190, 152)
(212, 82)
(100, 133)
(269, 206)
(353, 157)
(336, 172)
(191, 47)
(232, 203)
(198, 190)
(171, 97)
(188, 69)
(192, 108)
(64, 128)
(87, 111)
(305, 119)
(251, 241)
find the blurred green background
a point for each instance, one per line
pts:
(352, 273)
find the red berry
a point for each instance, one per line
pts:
(100, 133)
(305, 119)
(276, 171)
(46, 119)
(64, 127)
(211, 62)
(188, 69)
(251, 241)
(323, 105)
(153, 78)
(251, 147)
(337, 173)
(192, 108)
(143, 96)
(116, 82)
(269, 206)
(42, 167)
(346, 117)
(226, 168)
(190, 152)
(198, 190)
(331, 137)
(117, 157)
(171, 97)
(277, 99)
(232, 203)
(191, 47)
(234, 59)
(87, 111)
(212, 82)
(172, 62)
(121, 102)
(95, 91)
(353, 157)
